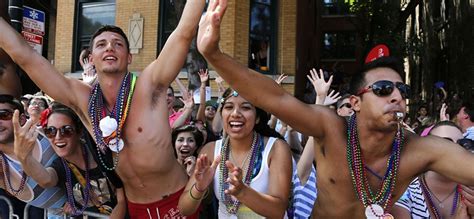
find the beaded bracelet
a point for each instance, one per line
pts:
(200, 198)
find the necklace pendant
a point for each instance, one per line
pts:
(116, 145)
(441, 205)
(388, 216)
(374, 211)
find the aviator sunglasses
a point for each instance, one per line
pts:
(65, 131)
(6, 114)
(384, 88)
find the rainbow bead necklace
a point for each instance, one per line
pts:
(97, 111)
(6, 177)
(232, 205)
(69, 189)
(431, 205)
(358, 173)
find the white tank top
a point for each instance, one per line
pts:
(259, 183)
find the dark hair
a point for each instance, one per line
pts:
(358, 80)
(198, 137)
(109, 28)
(6, 98)
(64, 110)
(261, 127)
(445, 123)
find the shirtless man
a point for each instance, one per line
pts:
(151, 176)
(376, 123)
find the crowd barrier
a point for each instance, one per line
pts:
(85, 214)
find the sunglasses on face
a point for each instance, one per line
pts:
(6, 114)
(348, 105)
(65, 131)
(384, 88)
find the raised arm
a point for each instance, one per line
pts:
(25, 141)
(48, 79)
(201, 114)
(9, 80)
(255, 87)
(171, 59)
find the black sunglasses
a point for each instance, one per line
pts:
(6, 114)
(65, 131)
(384, 88)
(348, 105)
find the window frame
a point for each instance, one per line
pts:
(274, 4)
(76, 47)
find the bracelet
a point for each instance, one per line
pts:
(201, 191)
(200, 198)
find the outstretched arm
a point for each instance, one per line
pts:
(50, 80)
(171, 59)
(9, 80)
(255, 87)
(449, 159)
(201, 114)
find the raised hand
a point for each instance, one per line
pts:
(89, 73)
(332, 98)
(320, 85)
(204, 171)
(209, 27)
(443, 116)
(235, 180)
(281, 78)
(203, 75)
(188, 100)
(25, 136)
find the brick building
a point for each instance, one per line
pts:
(267, 35)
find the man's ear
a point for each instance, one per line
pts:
(129, 58)
(355, 102)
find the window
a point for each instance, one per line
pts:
(91, 15)
(337, 7)
(339, 45)
(262, 35)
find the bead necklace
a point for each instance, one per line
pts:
(7, 180)
(69, 189)
(431, 204)
(232, 205)
(97, 112)
(360, 182)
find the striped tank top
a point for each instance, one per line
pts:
(52, 197)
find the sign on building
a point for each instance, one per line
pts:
(33, 27)
(35, 41)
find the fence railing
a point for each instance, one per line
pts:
(11, 215)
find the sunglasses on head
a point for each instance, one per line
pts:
(348, 105)
(384, 88)
(65, 131)
(6, 114)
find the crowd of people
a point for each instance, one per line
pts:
(120, 144)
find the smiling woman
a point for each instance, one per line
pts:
(75, 172)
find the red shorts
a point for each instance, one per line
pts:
(166, 208)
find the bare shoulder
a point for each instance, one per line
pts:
(208, 149)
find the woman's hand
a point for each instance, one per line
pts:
(204, 171)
